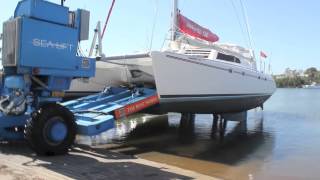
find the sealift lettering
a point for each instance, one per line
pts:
(50, 44)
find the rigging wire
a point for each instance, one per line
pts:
(246, 18)
(156, 9)
(245, 38)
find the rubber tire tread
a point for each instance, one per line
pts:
(34, 130)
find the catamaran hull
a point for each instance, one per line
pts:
(193, 85)
(185, 83)
(116, 71)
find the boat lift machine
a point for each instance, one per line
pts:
(40, 58)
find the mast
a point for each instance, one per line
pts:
(62, 2)
(174, 20)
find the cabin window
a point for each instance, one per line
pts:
(228, 58)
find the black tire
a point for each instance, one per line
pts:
(36, 130)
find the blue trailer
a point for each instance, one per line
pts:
(40, 58)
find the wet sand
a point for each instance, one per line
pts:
(166, 142)
(17, 161)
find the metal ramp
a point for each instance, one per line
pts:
(96, 113)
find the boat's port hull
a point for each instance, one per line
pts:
(117, 72)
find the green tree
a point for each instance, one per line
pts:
(312, 73)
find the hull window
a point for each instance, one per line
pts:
(228, 58)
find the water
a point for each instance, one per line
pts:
(281, 142)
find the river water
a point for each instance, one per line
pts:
(280, 142)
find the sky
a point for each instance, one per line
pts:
(288, 31)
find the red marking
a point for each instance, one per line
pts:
(263, 54)
(136, 107)
(191, 28)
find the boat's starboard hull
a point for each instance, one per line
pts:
(195, 85)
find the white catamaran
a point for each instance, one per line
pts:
(194, 74)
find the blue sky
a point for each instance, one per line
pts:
(287, 30)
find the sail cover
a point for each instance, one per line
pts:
(191, 28)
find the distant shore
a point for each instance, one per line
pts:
(309, 78)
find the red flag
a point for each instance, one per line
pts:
(263, 55)
(191, 28)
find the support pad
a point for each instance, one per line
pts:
(97, 113)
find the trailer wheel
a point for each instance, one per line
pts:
(51, 130)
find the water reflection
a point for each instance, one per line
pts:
(282, 142)
(225, 145)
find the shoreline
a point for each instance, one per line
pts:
(19, 162)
